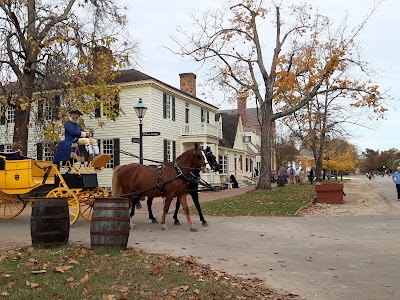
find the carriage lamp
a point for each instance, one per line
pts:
(140, 110)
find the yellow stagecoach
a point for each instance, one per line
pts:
(23, 179)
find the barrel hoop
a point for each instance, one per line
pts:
(49, 217)
(41, 204)
(50, 243)
(48, 233)
(108, 245)
(110, 233)
(110, 219)
(110, 208)
(111, 201)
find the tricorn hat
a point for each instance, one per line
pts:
(75, 111)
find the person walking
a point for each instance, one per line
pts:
(311, 175)
(396, 180)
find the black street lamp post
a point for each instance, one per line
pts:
(140, 110)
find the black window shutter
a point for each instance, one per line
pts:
(165, 151)
(173, 150)
(202, 115)
(57, 102)
(39, 151)
(173, 108)
(3, 116)
(40, 110)
(99, 145)
(97, 113)
(208, 116)
(1, 148)
(116, 153)
(165, 105)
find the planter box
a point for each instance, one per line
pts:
(331, 193)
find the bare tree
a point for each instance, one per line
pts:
(59, 45)
(282, 77)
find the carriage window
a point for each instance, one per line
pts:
(223, 163)
(168, 107)
(11, 114)
(108, 148)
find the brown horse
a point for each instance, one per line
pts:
(169, 181)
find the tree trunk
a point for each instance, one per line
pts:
(22, 113)
(265, 170)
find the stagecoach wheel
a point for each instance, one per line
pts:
(87, 202)
(73, 201)
(10, 206)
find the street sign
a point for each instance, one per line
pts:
(135, 140)
(151, 133)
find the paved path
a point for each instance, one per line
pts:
(323, 257)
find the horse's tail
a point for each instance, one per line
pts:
(116, 188)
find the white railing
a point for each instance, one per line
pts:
(200, 129)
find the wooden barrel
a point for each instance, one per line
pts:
(49, 221)
(109, 226)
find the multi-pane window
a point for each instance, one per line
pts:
(169, 150)
(205, 116)
(168, 107)
(48, 108)
(48, 111)
(108, 148)
(187, 112)
(5, 148)
(11, 114)
(223, 163)
(48, 153)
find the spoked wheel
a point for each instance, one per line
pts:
(73, 202)
(87, 201)
(10, 206)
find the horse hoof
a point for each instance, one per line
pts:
(154, 221)
(205, 224)
(177, 223)
(194, 229)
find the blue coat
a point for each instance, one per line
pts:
(72, 134)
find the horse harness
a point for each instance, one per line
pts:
(162, 183)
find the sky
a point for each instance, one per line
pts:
(152, 23)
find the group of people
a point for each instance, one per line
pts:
(293, 175)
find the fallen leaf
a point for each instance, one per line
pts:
(32, 284)
(62, 269)
(108, 297)
(85, 278)
(11, 283)
(158, 270)
(38, 272)
(196, 291)
(5, 294)
(5, 275)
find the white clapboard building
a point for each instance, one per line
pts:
(175, 119)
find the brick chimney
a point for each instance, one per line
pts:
(242, 107)
(188, 83)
